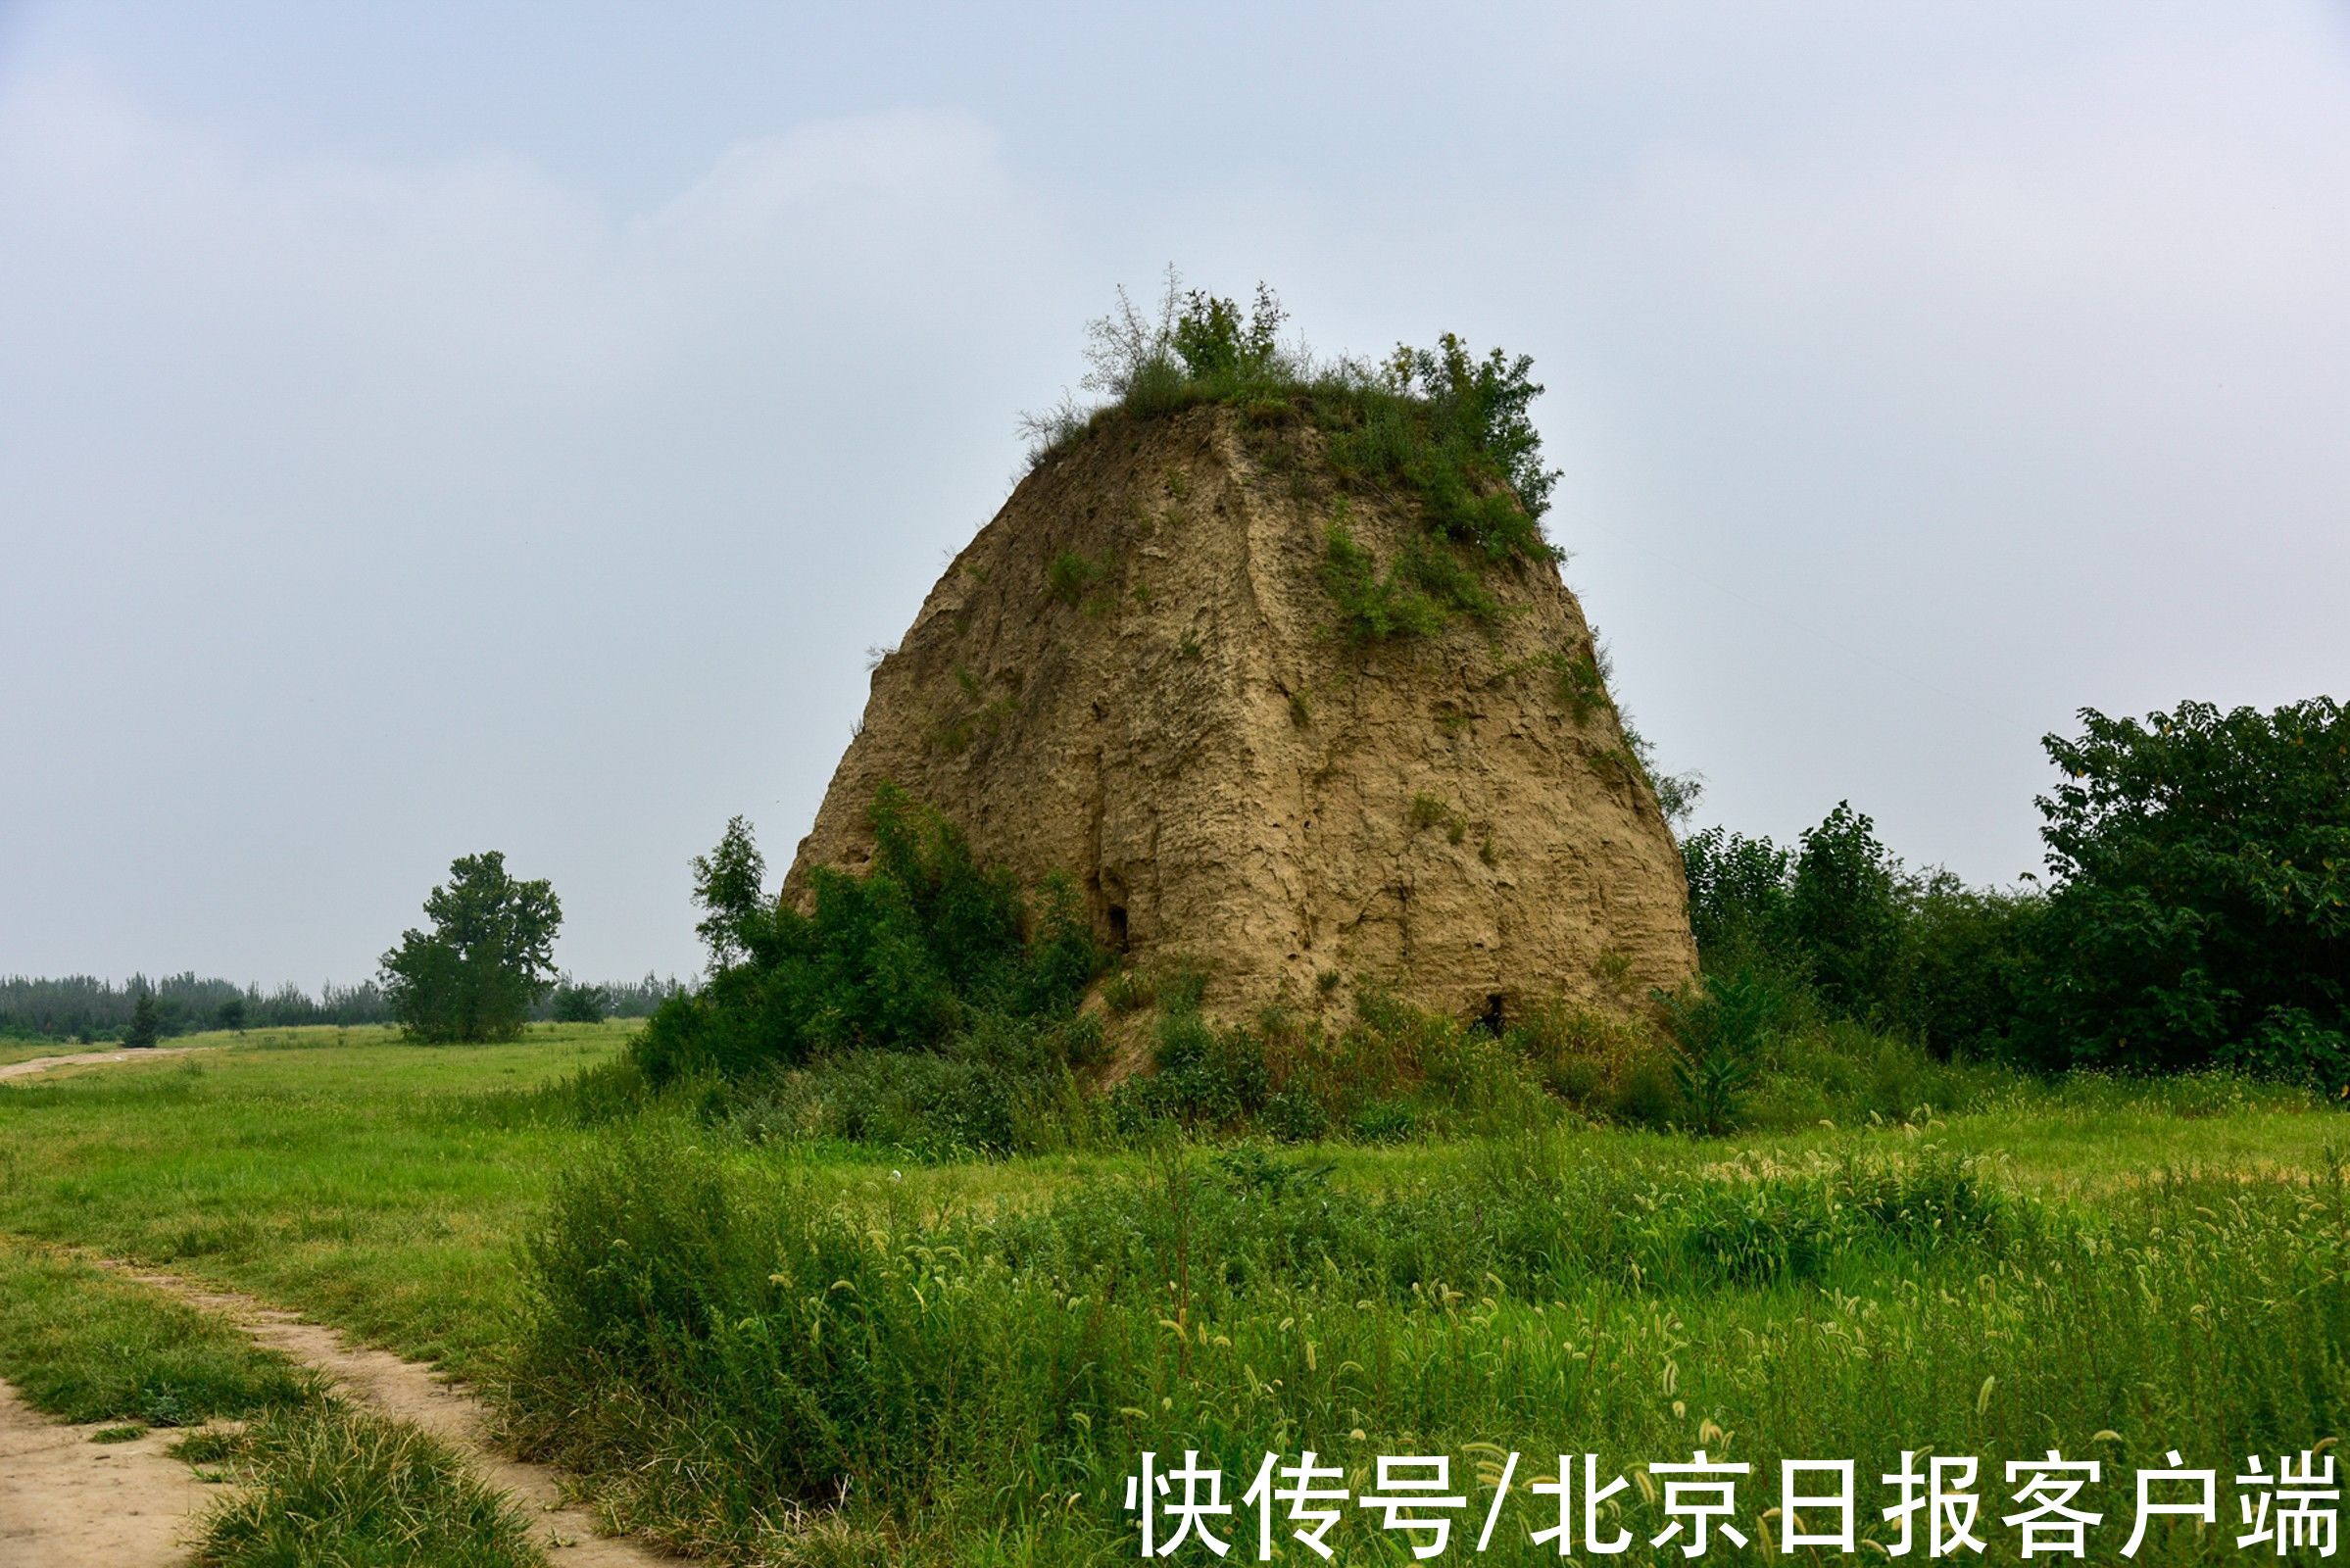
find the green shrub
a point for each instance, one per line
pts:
(1738, 895)
(993, 1090)
(902, 958)
(577, 1003)
(1202, 1077)
(2197, 914)
(1373, 608)
(1584, 1056)
(1924, 956)
(1844, 909)
(1962, 967)
(1384, 1121)
(1648, 1096)
(1296, 1116)
(1720, 1027)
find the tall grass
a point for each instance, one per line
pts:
(328, 1487)
(739, 1355)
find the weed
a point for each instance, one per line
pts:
(1720, 1027)
(327, 1486)
(1129, 991)
(1373, 608)
(1579, 685)
(208, 1445)
(1080, 581)
(1433, 811)
(972, 716)
(1417, 597)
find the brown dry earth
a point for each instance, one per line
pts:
(1228, 781)
(68, 1502)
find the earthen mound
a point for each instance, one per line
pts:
(1140, 674)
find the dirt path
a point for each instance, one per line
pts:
(68, 1502)
(411, 1391)
(91, 1058)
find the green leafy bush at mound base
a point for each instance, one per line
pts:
(904, 959)
(929, 1007)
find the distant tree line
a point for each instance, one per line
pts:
(2195, 910)
(85, 1006)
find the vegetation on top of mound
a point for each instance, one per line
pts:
(1447, 427)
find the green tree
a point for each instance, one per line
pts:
(581, 1004)
(1738, 895)
(729, 886)
(146, 1021)
(489, 956)
(1843, 908)
(230, 1014)
(2201, 911)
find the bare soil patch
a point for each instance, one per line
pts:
(69, 1502)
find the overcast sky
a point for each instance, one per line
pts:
(431, 427)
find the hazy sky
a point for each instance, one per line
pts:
(434, 427)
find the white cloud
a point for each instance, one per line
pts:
(395, 510)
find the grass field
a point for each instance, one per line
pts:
(2161, 1263)
(368, 1182)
